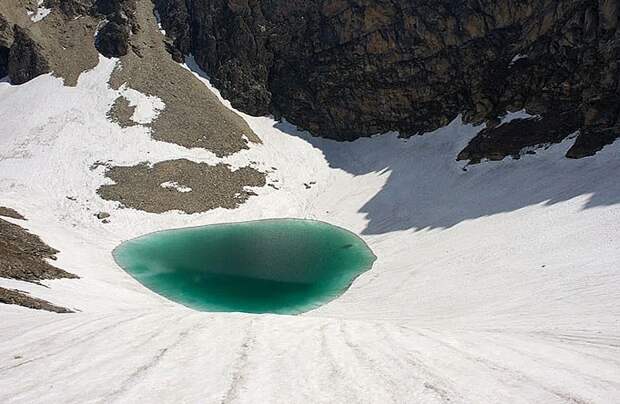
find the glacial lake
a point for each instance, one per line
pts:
(284, 266)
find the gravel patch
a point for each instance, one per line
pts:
(180, 185)
(23, 256)
(193, 116)
(121, 113)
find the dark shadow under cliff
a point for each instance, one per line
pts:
(427, 188)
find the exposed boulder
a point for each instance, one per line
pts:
(102, 215)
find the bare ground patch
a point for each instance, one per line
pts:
(180, 185)
(121, 113)
(67, 41)
(8, 296)
(23, 257)
(70, 44)
(193, 116)
(8, 212)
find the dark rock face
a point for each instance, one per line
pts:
(345, 68)
(4, 61)
(113, 38)
(6, 39)
(176, 26)
(26, 59)
(511, 138)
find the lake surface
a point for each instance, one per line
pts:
(284, 266)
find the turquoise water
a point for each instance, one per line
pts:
(284, 266)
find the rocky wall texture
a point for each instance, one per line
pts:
(350, 68)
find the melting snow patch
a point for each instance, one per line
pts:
(517, 57)
(511, 116)
(41, 13)
(147, 107)
(175, 185)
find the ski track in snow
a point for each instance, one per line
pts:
(495, 284)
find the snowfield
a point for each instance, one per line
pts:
(494, 283)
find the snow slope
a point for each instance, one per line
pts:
(497, 283)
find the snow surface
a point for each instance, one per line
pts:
(495, 284)
(147, 107)
(175, 185)
(516, 58)
(522, 114)
(41, 13)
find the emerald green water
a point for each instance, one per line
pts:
(284, 266)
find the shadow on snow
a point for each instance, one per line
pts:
(427, 188)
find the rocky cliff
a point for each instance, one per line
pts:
(345, 68)
(350, 68)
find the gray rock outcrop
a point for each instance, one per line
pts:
(345, 68)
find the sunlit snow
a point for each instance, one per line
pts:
(495, 284)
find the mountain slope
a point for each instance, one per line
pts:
(349, 68)
(498, 283)
(494, 282)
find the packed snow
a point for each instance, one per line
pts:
(522, 114)
(175, 185)
(499, 283)
(41, 12)
(147, 107)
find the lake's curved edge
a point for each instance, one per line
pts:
(374, 259)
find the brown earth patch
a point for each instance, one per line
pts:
(193, 116)
(121, 113)
(212, 186)
(8, 212)
(23, 257)
(8, 296)
(15, 10)
(67, 42)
